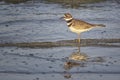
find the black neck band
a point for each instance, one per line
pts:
(69, 25)
(69, 21)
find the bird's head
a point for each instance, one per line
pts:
(67, 16)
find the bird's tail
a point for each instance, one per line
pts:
(99, 25)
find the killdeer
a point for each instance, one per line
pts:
(78, 26)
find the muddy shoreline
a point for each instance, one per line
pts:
(63, 43)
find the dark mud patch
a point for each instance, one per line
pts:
(63, 43)
(73, 3)
(15, 1)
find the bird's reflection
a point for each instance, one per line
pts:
(77, 56)
(79, 59)
(69, 65)
(76, 59)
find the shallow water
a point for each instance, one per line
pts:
(49, 63)
(31, 22)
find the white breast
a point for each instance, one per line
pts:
(78, 31)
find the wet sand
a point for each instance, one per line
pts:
(63, 43)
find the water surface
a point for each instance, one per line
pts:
(39, 21)
(31, 22)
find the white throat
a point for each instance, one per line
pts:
(68, 19)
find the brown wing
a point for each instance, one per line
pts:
(79, 24)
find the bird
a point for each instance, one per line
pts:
(78, 26)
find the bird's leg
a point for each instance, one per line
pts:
(79, 43)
